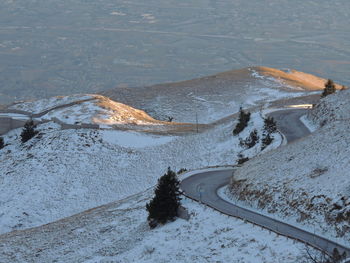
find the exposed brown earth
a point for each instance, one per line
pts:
(295, 78)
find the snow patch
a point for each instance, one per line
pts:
(15, 116)
(117, 13)
(39, 106)
(308, 123)
(134, 139)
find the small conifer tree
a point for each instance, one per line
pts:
(266, 140)
(250, 142)
(2, 143)
(329, 88)
(166, 201)
(270, 125)
(243, 120)
(242, 159)
(28, 131)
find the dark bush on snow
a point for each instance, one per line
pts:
(251, 141)
(28, 131)
(166, 201)
(243, 120)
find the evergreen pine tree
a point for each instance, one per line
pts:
(166, 201)
(243, 120)
(328, 89)
(241, 159)
(250, 142)
(266, 140)
(270, 125)
(28, 131)
(2, 143)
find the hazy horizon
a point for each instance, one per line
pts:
(63, 47)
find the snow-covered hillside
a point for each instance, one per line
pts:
(332, 108)
(203, 100)
(306, 182)
(101, 110)
(63, 172)
(67, 169)
(214, 97)
(88, 109)
(37, 106)
(118, 232)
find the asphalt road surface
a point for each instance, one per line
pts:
(288, 122)
(203, 187)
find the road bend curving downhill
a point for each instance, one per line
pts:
(204, 186)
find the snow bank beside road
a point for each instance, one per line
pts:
(308, 123)
(332, 108)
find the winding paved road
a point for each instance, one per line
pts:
(203, 186)
(288, 122)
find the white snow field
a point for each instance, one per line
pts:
(118, 232)
(38, 106)
(306, 182)
(63, 172)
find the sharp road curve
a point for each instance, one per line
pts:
(203, 187)
(288, 122)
